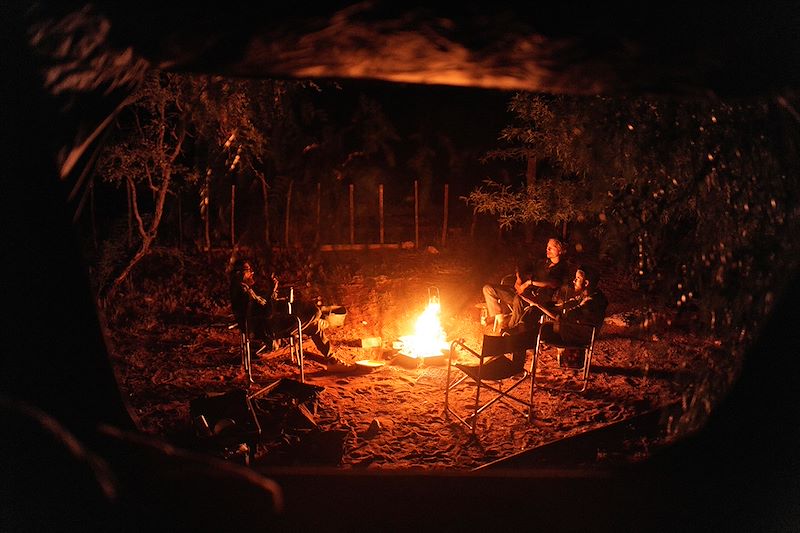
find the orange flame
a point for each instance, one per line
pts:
(429, 337)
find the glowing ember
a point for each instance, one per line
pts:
(429, 337)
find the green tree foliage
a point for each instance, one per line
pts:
(545, 128)
(695, 197)
(181, 133)
(144, 157)
(199, 135)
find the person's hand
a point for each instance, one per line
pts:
(521, 287)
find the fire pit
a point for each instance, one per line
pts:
(428, 344)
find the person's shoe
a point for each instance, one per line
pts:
(334, 364)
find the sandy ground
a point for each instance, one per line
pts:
(392, 416)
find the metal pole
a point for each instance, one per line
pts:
(265, 197)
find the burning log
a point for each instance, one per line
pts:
(429, 343)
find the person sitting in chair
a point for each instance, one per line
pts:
(266, 322)
(573, 319)
(536, 283)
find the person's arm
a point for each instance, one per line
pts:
(274, 286)
(522, 286)
(553, 277)
(589, 312)
(546, 310)
(253, 295)
(518, 283)
(551, 283)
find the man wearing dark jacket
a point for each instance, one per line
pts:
(572, 320)
(263, 321)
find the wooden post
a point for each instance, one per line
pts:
(352, 217)
(380, 209)
(288, 210)
(180, 222)
(444, 218)
(319, 211)
(416, 213)
(233, 215)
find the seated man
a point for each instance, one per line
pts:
(573, 318)
(535, 283)
(499, 297)
(265, 322)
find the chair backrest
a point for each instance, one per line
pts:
(501, 345)
(508, 279)
(239, 309)
(514, 345)
(495, 345)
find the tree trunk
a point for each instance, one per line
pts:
(148, 235)
(288, 213)
(265, 196)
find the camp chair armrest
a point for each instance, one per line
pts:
(508, 279)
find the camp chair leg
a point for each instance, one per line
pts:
(588, 352)
(297, 349)
(492, 372)
(246, 362)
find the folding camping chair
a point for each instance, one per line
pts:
(585, 348)
(495, 373)
(293, 336)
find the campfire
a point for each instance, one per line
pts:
(429, 339)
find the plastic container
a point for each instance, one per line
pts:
(336, 316)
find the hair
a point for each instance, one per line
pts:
(560, 245)
(238, 265)
(590, 274)
(237, 270)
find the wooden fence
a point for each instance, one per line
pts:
(366, 215)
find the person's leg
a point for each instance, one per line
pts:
(549, 335)
(310, 316)
(530, 318)
(260, 328)
(317, 335)
(518, 307)
(498, 298)
(575, 334)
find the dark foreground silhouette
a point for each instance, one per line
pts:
(71, 456)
